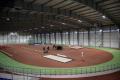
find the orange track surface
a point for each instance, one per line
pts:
(33, 55)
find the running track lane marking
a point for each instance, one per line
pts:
(31, 49)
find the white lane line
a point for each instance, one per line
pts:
(32, 49)
(58, 58)
(6, 53)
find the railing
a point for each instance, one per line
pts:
(18, 73)
(60, 71)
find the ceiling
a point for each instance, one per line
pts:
(57, 15)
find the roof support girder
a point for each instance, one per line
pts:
(94, 5)
(51, 10)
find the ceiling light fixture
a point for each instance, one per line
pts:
(103, 17)
(30, 29)
(75, 32)
(100, 30)
(8, 19)
(79, 21)
(43, 27)
(118, 30)
(51, 25)
(64, 23)
(13, 34)
(35, 28)
(30, 36)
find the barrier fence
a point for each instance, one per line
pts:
(60, 71)
(6, 65)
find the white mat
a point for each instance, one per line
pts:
(58, 58)
(61, 55)
(76, 47)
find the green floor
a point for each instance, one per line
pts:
(12, 65)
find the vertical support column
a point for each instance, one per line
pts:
(49, 38)
(119, 34)
(45, 38)
(0, 39)
(7, 38)
(69, 37)
(19, 38)
(57, 40)
(89, 37)
(61, 37)
(95, 37)
(26, 38)
(37, 38)
(34, 38)
(41, 38)
(73, 37)
(78, 37)
(83, 37)
(102, 38)
(110, 36)
(65, 38)
(3, 38)
(55, 37)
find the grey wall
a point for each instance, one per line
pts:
(106, 38)
(6, 38)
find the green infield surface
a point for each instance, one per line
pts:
(12, 65)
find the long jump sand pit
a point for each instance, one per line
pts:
(33, 55)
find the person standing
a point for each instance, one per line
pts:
(82, 57)
(43, 49)
(48, 48)
(54, 46)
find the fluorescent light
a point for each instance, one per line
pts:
(79, 21)
(42, 27)
(103, 17)
(30, 29)
(35, 28)
(63, 23)
(118, 30)
(13, 33)
(30, 36)
(75, 32)
(51, 25)
(7, 19)
(100, 30)
(66, 32)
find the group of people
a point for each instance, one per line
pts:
(54, 46)
(46, 49)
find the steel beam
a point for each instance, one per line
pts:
(44, 8)
(94, 5)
